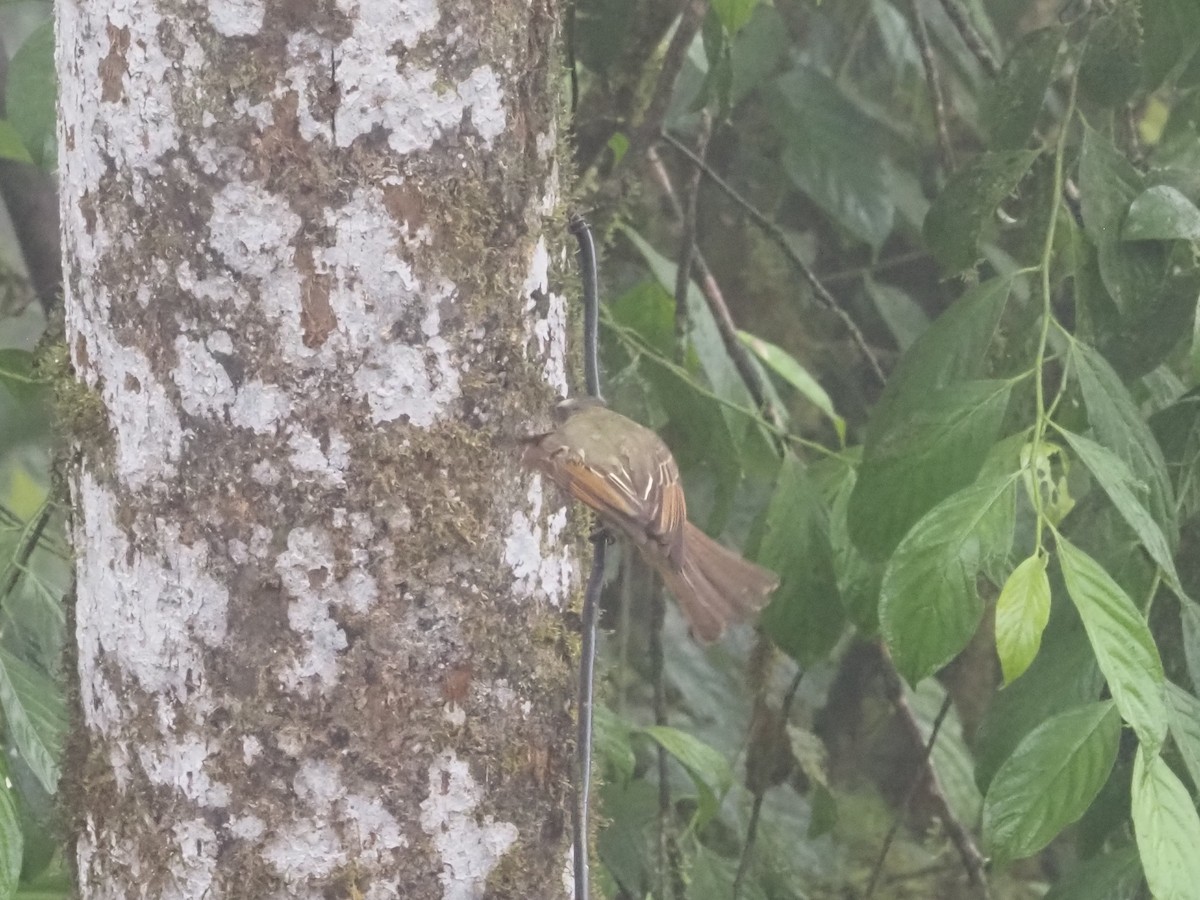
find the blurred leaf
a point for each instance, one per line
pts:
(1183, 714)
(1177, 430)
(1171, 34)
(1122, 643)
(1112, 876)
(858, 577)
(1161, 213)
(1166, 827)
(929, 604)
(1118, 425)
(611, 742)
(30, 94)
(790, 370)
(35, 715)
(734, 13)
(619, 145)
(1111, 67)
(904, 317)
(1108, 184)
(1120, 486)
(1011, 104)
(834, 154)
(805, 616)
(957, 218)
(11, 839)
(936, 450)
(1051, 778)
(1189, 614)
(952, 761)
(11, 145)
(623, 848)
(1022, 612)
(709, 770)
(1145, 338)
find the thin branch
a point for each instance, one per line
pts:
(972, 860)
(933, 84)
(820, 292)
(29, 543)
(971, 37)
(691, 15)
(687, 237)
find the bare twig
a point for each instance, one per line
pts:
(971, 36)
(687, 237)
(933, 84)
(29, 543)
(972, 860)
(691, 15)
(820, 292)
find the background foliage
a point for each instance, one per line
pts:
(922, 336)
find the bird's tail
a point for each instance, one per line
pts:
(715, 586)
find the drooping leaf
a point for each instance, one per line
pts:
(30, 94)
(790, 370)
(1183, 714)
(1011, 104)
(1167, 828)
(11, 145)
(904, 317)
(709, 770)
(1050, 779)
(1122, 643)
(929, 604)
(1022, 611)
(1171, 33)
(1122, 489)
(1111, 67)
(956, 220)
(805, 617)
(35, 716)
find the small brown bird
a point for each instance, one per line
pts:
(626, 474)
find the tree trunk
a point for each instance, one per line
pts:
(320, 641)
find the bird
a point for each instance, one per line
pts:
(626, 473)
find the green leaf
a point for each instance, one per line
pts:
(709, 770)
(834, 154)
(1161, 213)
(956, 220)
(1118, 425)
(805, 617)
(1010, 106)
(786, 367)
(1122, 643)
(1050, 780)
(1108, 184)
(611, 742)
(1183, 714)
(1119, 484)
(903, 316)
(734, 13)
(35, 715)
(1189, 616)
(1166, 827)
(1171, 33)
(30, 94)
(937, 450)
(929, 605)
(11, 838)
(1112, 876)
(11, 145)
(952, 761)
(1022, 612)
(1055, 682)
(1111, 67)
(858, 577)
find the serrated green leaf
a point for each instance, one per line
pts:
(955, 222)
(1122, 489)
(1161, 213)
(786, 367)
(937, 449)
(1050, 780)
(35, 716)
(805, 617)
(709, 770)
(1166, 827)
(1010, 106)
(1122, 643)
(1111, 67)
(30, 94)
(834, 154)
(1022, 611)
(1111, 876)
(929, 605)
(1108, 184)
(1183, 714)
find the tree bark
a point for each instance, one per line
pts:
(319, 609)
